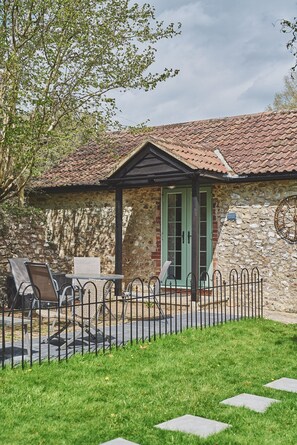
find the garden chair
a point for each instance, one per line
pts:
(48, 298)
(45, 288)
(85, 265)
(21, 281)
(82, 315)
(151, 292)
(91, 265)
(23, 289)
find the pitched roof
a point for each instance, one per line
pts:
(246, 145)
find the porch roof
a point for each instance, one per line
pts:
(199, 157)
(242, 146)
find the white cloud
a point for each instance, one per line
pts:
(190, 15)
(232, 60)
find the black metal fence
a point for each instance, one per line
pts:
(92, 320)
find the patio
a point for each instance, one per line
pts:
(120, 321)
(118, 334)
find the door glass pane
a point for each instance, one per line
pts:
(178, 272)
(203, 199)
(179, 213)
(171, 243)
(171, 214)
(178, 257)
(171, 201)
(203, 243)
(202, 214)
(202, 260)
(202, 228)
(171, 228)
(174, 200)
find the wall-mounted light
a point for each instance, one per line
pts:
(231, 216)
(171, 187)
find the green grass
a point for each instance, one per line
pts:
(92, 399)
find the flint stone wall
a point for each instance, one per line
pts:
(252, 241)
(24, 236)
(83, 224)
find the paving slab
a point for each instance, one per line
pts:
(194, 425)
(284, 384)
(250, 401)
(119, 441)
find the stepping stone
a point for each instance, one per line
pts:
(284, 384)
(119, 441)
(255, 403)
(194, 425)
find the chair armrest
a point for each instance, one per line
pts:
(63, 296)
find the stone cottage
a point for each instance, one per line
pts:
(210, 194)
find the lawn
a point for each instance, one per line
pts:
(93, 399)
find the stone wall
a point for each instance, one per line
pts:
(83, 224)
(252, 241)
(24, 236)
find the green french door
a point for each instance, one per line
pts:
(177, 231)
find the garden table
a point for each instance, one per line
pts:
(95, 277)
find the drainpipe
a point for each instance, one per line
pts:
(118, 238)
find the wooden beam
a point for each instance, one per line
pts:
(195, 235)
(118, 238)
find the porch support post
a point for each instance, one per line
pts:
(118, 238)
(195, 235)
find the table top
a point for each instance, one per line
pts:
(94, 276)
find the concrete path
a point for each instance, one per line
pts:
(282, 317)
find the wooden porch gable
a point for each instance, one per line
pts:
(150, 165)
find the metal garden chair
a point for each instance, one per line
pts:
(137, 290)
(48, 299)
(21, 281)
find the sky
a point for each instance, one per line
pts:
(232, 58)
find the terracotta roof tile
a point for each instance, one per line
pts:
(250, 144)
(198, 157)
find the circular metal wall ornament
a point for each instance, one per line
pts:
(285, 219)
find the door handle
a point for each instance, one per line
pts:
(189, 237)
(183, 237)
